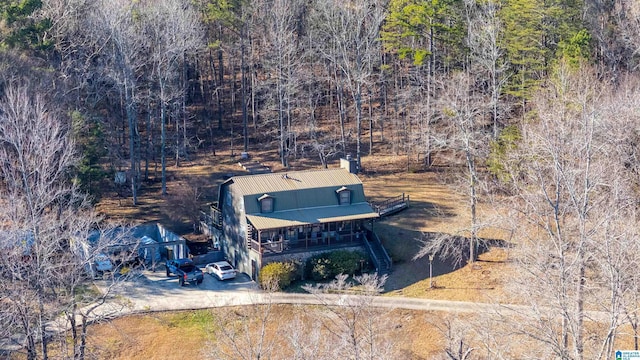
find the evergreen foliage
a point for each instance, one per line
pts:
(507, 141)
(327, 265)
(415, 28)
(276, 276)
(89, 139)
(524, 33)
(22, 29)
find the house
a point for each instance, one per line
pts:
(290, 215)
(148, 243)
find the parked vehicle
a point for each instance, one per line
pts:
(102, 264)
(186, 270)
(221, 269)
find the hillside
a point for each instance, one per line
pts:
(512, 125)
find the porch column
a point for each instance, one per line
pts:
(306, 236)
(352, 223)
(260, 241)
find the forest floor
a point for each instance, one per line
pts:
(435, 207)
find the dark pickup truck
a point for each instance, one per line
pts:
(186, 270)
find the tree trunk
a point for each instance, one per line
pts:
(185, 113)
(220, 83)
(473, 207)
(370, 123)
(71, 317)
(131, 118)
(44, 344)
(177, 130)
(578, 336)
(214, 96)
(283, 157)
(340, 103)
(147, 148)
(359, 124)
(83, 338)
(32, 354)
(243, 80)
(163, 139)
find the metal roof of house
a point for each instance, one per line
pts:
(316, 215)
(294, 180)
(301, 197)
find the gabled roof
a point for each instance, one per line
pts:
(293, 180)
(301, 197)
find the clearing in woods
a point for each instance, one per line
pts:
(434, 207)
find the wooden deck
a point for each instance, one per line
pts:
(254, 167)
(391, 206)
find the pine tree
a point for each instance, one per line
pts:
(523, 41)
(414, 28)
(20, 29)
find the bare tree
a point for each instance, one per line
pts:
(459, 337)
(81, 304)
(306, 341)
(617, 254)
(484, 36)
(325, 145)
(246, 333)
(36, 157)
(353, 323)
(122, 52)
(463, 134)
(352, 43)
(174, 32)
(45, 226)
(44, 209)
(571, 199)
(627, 14)
(282, 62)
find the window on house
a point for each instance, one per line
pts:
(266, 203)
(345, 197)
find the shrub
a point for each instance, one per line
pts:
(277, 275)
(328, 265)
(319, 268)
(345, 262)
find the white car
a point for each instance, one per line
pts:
(221, 269)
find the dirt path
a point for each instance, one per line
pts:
(153, 291)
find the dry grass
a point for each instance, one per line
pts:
(144, 337)
(435, 207)
(190, 335)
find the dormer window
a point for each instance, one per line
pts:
(344, 196)
(266, 203)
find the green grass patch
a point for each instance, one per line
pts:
(199, 320)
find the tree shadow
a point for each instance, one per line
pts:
(407, 271)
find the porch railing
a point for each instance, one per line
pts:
(382, 252)
(391, 205)
(216, 216)
(334, 240)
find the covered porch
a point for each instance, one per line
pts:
(308, 229)
(305, 237)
